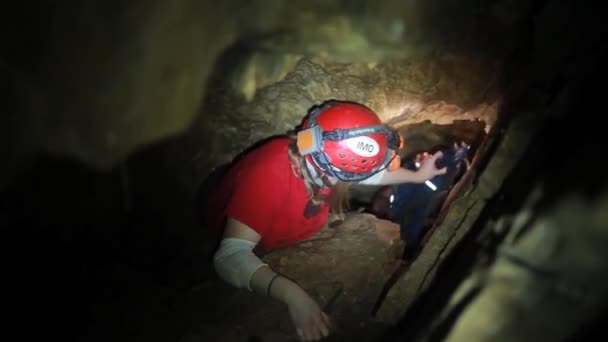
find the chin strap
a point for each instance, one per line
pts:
(319, 179)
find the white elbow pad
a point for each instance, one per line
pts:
(235, 262)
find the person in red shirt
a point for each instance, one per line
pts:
(282, 192)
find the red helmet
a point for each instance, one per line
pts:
(347, 141)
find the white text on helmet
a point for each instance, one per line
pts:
(363, 146)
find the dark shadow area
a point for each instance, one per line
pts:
(595, 329)
(32, 21)
(60, 221)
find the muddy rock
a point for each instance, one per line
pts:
(344, 268)
(402, 91)
(111, 78)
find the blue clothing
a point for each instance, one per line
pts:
(414, 205)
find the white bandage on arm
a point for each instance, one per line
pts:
(235, 262)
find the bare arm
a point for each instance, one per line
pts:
(426, 171)
(398, 176)
(281, 287)
(310, 322)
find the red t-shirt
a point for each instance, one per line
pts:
(261, 191)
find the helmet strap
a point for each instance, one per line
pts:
(310, 142)
(317, 177)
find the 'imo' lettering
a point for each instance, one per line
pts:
(363, 146)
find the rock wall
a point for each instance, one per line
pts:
(97, 81)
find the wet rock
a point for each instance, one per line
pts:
(108, 85)
(284, 261)
(527, 289)
(343, 268)
(135, 72)
(105, 85)
(388, 232)
(263, 69)
(403, 92)
(462, 213)
(110, 77)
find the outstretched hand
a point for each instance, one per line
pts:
(428, 169)
(310, 322)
